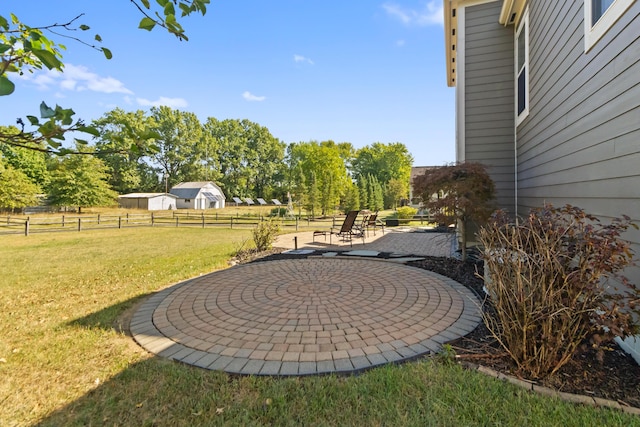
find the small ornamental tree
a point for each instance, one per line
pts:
(549, 285)
(458, 194)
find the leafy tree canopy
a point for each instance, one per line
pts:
(80, 181)
(25, 48)
(16, 188)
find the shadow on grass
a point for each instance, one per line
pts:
(115, 317)
(151, 392)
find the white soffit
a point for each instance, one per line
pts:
(512, 11)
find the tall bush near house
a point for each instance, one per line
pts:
(457, 194)
(554, 280)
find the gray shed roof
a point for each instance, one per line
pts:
(145, 195)
(185, 193)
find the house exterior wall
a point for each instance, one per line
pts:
(487, 64)
(580, 143)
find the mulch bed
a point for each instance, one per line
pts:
(616, 377)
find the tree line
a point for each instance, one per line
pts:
(150, 151)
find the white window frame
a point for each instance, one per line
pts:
(522, 26)
(593, 33)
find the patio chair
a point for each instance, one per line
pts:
(347, 231)
(374, 222)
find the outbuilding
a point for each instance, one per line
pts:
(198, 195)
(148, 201)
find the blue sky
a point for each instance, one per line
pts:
(358, 71)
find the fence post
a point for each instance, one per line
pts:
(152, 219)
(79, 221)
(127, 217)
(177, 219)
(26, 227)
(297, 219)
(8, 219)
(202, 219)
(63, 220)
(232, 223)
(98, 218)
(119, 221)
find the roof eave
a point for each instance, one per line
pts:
(511, 11)
(451, 39)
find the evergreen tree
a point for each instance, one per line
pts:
(313, 196)
(363, 192)
(351, 198)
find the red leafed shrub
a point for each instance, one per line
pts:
(554, 280)
(457, 194)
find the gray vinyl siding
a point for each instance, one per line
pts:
(580, 143)
(489, 97)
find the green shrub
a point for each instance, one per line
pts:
(278, 212)
(264, 234)
(548, 282)
(406, 212)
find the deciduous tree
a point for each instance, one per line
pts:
(17, 190)
(80, 181)
(458, 194)
(129, 170)
(385, 162)
(25, 48)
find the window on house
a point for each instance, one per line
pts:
(599, 16)
(522, 68)
(598, 8)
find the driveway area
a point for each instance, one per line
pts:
(332, 312)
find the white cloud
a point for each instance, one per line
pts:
(300, 58)
(431, 14)
(163, 100)
(76, 78)
(251, 97)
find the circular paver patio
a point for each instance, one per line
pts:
(305, 316)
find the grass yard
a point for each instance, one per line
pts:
(63, 360)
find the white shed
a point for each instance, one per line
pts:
(198, 195)
(148, 201)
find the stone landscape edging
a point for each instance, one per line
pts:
(546, 391)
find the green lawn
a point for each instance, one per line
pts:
(63, 360)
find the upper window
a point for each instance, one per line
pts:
(598, 8)
(599, 16)
(522, 68)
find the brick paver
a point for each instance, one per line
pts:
(309, 316)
